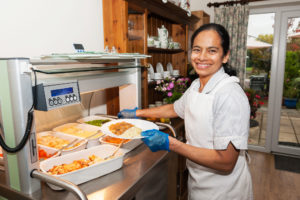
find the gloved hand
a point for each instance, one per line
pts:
(128, 113)
(156, 140)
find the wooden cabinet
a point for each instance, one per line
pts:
(127, 23)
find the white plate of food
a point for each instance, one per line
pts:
(127, 128)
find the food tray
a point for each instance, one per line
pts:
(49, 151)
(128, 146)
(70, 138)
(88, 173)
(91, 118)
(85, 131)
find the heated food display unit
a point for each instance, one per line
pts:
(47, 84)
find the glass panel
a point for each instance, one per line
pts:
(257, 77)
(289, 133)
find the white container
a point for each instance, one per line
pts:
(158, 103)
(83, 128)
(91, 118)
(164, 44)
(157, 76)
(70, 138)
(167, 74)
(49, 151)
(88, 173)
(175, 73)
(157, 43)
(128, 146)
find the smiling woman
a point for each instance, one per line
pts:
(216, 113)
(207, 55)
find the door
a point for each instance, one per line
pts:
(257, 77)
(276, 125)
(286, 133)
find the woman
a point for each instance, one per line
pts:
(216, 114)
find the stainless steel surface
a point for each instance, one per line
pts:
(21, 100)
(121, 184)
(171, 128)
(59, 182)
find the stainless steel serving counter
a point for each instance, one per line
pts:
(144, 173)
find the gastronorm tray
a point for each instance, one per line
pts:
(70, 138)
(91, 118)
(88, 173)
(127, 146)
(84, 130)
(49, 151)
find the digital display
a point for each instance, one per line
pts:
(62, 91)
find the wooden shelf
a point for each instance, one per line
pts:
(160, 50)
(166, 10)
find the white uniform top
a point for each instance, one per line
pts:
(214, 118)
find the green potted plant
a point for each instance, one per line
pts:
(291, 93)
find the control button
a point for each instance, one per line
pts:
(74, 97)
(50, 102)
(59, 100)
(67, 99)
(54, 101)
(71, 98)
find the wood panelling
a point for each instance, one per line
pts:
(115, 12)
(145, 17)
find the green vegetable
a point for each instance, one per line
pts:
(97, 122)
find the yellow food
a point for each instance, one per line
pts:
(79, 132)
(54, 142)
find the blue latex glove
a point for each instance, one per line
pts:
(128, 113)
(156, 140)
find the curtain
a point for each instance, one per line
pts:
(235, 20)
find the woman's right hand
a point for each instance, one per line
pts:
(128, 113)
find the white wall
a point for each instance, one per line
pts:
(35, 27)
(202, 5)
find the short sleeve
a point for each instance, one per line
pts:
(231, 117)
(179, 105)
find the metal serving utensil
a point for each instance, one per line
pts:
(114, 153)
(76, 141)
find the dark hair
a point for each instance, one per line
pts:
(225, 41)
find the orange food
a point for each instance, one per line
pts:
(113, 140)
(1, 155)
(119, 128)
(43, 154)
(75, 165)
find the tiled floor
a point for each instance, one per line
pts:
(289, 127)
